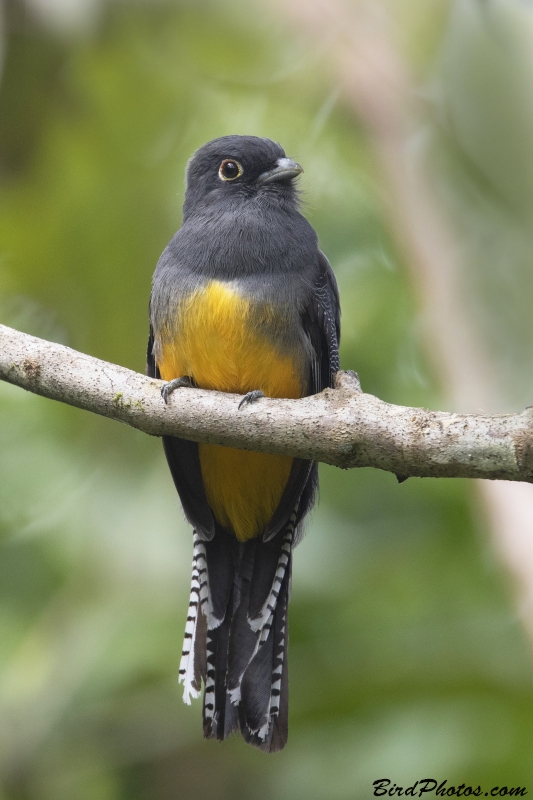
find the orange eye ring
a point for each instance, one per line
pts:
(229, 170)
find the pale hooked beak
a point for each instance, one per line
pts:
(284, 170)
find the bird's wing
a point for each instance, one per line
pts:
(321, 323)
(184, 464)
(151, 367)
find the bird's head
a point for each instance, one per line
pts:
(240, 167)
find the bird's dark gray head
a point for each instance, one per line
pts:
(240, 168)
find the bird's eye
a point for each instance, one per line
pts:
(229, 170)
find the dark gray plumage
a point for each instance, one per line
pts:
(242, 228)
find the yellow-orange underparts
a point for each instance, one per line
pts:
(217, 342)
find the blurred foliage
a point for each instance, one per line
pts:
(406, 657)
(478, 143)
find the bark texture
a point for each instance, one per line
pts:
(342, 426)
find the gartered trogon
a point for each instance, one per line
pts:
(243, 301)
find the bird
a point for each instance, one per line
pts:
(243, 301)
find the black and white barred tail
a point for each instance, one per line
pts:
(236, 635)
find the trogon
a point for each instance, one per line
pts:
(243, 301)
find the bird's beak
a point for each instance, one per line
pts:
(284, 170)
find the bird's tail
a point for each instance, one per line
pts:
(236, 635)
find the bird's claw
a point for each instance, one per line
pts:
(178, 383)
(251, 397)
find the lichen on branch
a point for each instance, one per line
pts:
(342, 426)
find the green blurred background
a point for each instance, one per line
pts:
(407, 656)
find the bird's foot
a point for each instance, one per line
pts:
(178, 383)
(251, 397)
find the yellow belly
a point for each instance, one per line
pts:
(216, 344)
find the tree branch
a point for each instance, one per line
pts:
(341, 426)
